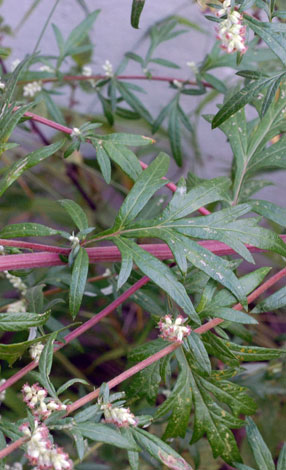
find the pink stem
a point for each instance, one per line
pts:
(101, 254)
(69, 78)
(80, 330)
(149, 360)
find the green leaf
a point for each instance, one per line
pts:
(232, 315)
(35, 298)
(45, 364)
(130, 140)
(78, 281)
(160, 450)
(162, 115)
(165, 63)
(28, 229)
(162, 276)
(184, 203)
(149, 181)
(179, 403)
(253, 353)
(270, 95)
(269, 158)
(104, 163)
(22, 321)
(126, 263)
(133, 101)
(124, 157)
(104, 433)
(137, 7)
(174, 133)
(59, 39)
(275, 41)
(146, 383)
(260, 451)
(273, 302)
(69, 383)
(240, 99)
(53, 109)
(75, 212)
(281, 464)
(199, 352)
(79, 33)
(32, 159)
(269, 210)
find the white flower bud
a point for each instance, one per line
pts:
(173, 330)
(31, 89)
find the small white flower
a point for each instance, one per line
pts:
(121, 417)
(31, 89)
(231, 32)
(107, 290)
(17, 307)
(46, 68)
(173, 330)
(36, 351)
(74, 240)
(177, 84)
(2, 85)
(15, 64)
(17, 283)
(87, 71)
(107, 67)
(75, 132)
(2, 394)
(107, 272)
(193, 67)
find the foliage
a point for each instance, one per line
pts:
(101, 234)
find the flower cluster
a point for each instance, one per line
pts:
(41, 452)
(36, 399)
(231, 32)
(173, 330)
(2, 84)
(36, 351)
(107, 67)
(87, 72)
(120, 416)
(31, 89)
(14, 466)
(16, 282)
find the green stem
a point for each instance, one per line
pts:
(45, 26)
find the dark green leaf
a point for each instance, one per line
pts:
(78, 281)
(104, 433)
(75, 212)
(21, 321)
(260, 451)
(137, 7)
(124, 157)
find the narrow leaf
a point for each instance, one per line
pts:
(78, 281)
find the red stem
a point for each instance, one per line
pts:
(69, 78)
(50, 257)
(147, 362)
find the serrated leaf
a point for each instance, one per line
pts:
(75, 212)
(104, 433)
(160, 450)
(199, 352)
(22, 321)
(29, 161)
(162, 276)
(149, 181)
(260, 451)
(179, 403)
(137, 7)
(123, 157)
(78, 281)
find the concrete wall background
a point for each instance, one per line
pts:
(114, 36)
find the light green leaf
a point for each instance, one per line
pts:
(160, 450)
(126, 263)
(130, 140)
(269, 210)
(199, 352)
(273, 302)
(133, 101)
(231, 315)
(149, 181)
(31, 160)
(78, 281)
(174, 133)
(260, 451)
(28, 229)
(22, 321)
(162, 276)
(124, 157)
(45, 364)
(75, 212)
(104, 163)
(80, 32)
(104, 433)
